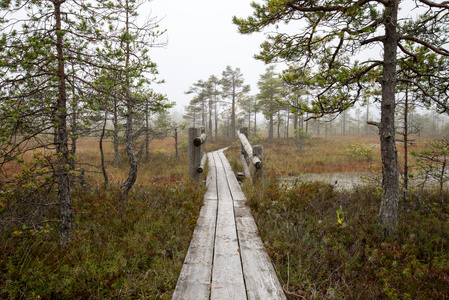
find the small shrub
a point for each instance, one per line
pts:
(361, 152)
(184, 146)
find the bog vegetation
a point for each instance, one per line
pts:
(323, 241)
(77, 222)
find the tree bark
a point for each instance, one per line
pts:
(175, 135)
(255, 119)
(115, 136)
(103, 167)
(65, 202)
(216, 118)
(147, 132)
(132, 175)
(210, 118)
(278, 125)
(406, 142)
(388, 215)
(74, 138)
(442, 173)
(233, 110)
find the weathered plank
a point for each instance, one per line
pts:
(195, 278)
(211, 179)
(260, 278)
(226, 258)
(227, 275)
(234, 186)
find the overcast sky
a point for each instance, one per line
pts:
(202, 41)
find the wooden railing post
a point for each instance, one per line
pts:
(251, 157)
(244, 156)
(197, 138)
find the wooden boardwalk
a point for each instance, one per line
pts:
(226, 258)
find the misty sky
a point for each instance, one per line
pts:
(202, 41)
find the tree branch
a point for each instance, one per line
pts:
(444, 4)
(441, 51)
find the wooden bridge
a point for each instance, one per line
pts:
(226, 257)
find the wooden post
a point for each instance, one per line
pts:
(245, 165)
(203, 163)
(244, 159)
(244, 131)
(194, 154)
(258, 168)
(197, 138)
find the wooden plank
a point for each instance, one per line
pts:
(236, 190)
(195, 278)
(211, 179)
(227, 275)
(260, 278)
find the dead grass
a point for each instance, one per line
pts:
(319, 155)
(322, 155)
(161, 166)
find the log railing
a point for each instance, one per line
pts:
(197, 158)
(251, 157)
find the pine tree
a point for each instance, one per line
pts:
(322, 54)
(233, 88)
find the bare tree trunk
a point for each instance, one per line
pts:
(255, 122)
(73, 130)
(103, 167)
(388, 214)
(307, 116)
(203, 113)
(175, 135)
(132, 175)
(270, 129)
(210, 118)
(147, 133)
(216, 119)
(367, 119)
(443, 171)
(115, 136)
(233, 113)
(65, 202)
(279, 124)
(406, 142)
(295, 122)
(74, 138)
